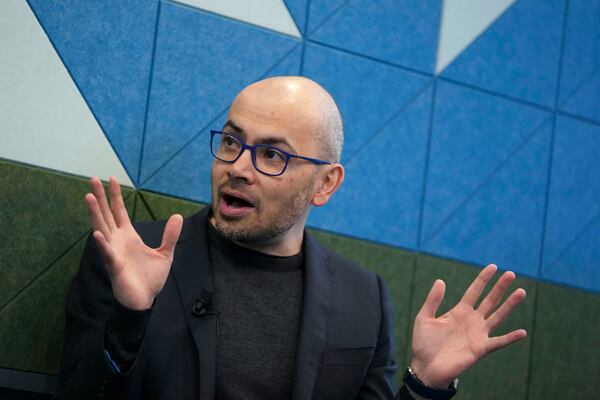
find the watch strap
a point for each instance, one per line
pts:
(415, 384)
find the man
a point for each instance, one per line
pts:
(238, 302)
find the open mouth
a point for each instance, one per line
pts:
(236, 202)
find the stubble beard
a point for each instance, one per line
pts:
(263, 228)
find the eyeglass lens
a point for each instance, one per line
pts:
(267, 159)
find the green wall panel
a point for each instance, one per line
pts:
(566, 345)
(395, 266)
(503, 374)
(162, 207)
(43, 213)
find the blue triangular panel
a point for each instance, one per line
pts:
(502, 222)
(368, 93)
(107, 48)
(473, 134)
(201, 62)
(187, 175)
(518, 55)
(402, 32)
(574, 193)
(298, 10)
(586, 100)
(321, 10)
(581, 58)
(381, 197)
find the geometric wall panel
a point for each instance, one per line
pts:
(297, 9)
(518, 55)
(391, 166)
(44, 121)
(201, 62)
(580, 80)
(107, 48)
(402, 32)
(462, 22)
(572, 244)
(368, 93)
(485, 194)
(319, 14)
(270, 14)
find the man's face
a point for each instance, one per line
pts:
(248, 206)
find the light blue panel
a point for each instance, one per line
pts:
(501, 222)
(187, 175)
(473, 135)
(380, 199)
(581, 59)
(518, 55)
(298, 10)
(571, 251)
(202, 61)
(107, 48)
(367, 92)
(321, 10)
(403, 32)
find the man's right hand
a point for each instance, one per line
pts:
(137, 272)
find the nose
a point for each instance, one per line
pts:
(242, 168)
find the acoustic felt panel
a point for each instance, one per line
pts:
(500, 375)
(319, 13)
(44, 119)
(486, 180)
(369, 94)
(43, 223)
(298, 10)
(107, 48)
(32, 326)
(572, 243)
(202, 61)
(403, 32)
(566, 345)
(518, 55)
(270, 14)
(395, 266)
(580, 78)
(162, 207)
(380, 198)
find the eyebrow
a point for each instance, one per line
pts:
(268, 140)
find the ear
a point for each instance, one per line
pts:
(328, 182)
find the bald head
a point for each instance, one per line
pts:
(304, 101)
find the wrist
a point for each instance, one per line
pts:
(418, 387)
(429, 379)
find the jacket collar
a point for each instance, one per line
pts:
(192, 272)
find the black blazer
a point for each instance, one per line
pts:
(345, 348)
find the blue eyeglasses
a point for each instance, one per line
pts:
(267, 159)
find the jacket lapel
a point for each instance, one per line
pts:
(192, 272)
(318, 282)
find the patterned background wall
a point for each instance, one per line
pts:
(472, 136)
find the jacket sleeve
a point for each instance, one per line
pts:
(85, 370)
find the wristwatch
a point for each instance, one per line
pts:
(415, 384)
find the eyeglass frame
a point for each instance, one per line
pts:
(253, 153)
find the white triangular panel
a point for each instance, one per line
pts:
(270, 14)
(44, 121)
(462, 22)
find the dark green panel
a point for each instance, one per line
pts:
(500, 375)
(141, 212)
(395, 266)
(42, 214)
(32, 326)
(566, 345)
(162, 207)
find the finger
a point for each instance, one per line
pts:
(474, 291)
(496, 319)
(171, 234)
(434, 299)
(490, 301)
(117, 205)
(498, 342)
(96, 216)
(105, 250)
(98, 191)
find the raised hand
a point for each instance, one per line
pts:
(137, 272)
(446, 346)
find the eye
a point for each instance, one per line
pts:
(272, 154)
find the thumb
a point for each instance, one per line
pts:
(171, 234)
(434, 299)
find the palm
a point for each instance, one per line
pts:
(137, 272)
(446, 346)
